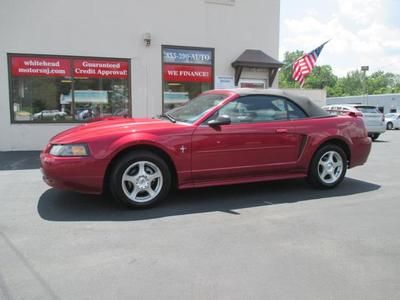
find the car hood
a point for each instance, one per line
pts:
(113, 127)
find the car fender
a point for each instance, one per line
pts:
(137, 139)
(181, 166)
(314, 142)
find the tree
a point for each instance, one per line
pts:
(285, 73)
(320, 77)
(353, 84)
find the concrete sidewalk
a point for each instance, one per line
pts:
(19, 160)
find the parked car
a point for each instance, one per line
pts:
(221, 137)
(84, 114)
(373, 118)
(392, 121)
(52, 114)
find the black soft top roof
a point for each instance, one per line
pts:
(311, 109)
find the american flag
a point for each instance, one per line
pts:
(304, 65)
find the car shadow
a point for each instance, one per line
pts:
(19, 160)
(381, 141)
(56, 205)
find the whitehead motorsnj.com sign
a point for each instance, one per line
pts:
(69, 67)
(40, 66)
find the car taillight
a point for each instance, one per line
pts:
(355, 114)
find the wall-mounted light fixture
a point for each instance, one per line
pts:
(147, 39)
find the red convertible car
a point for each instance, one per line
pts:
(221, 137)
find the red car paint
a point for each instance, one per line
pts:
(202, 155)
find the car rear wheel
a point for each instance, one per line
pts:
(328, 167)
(140, 179)
(374, 136)
(389, 126)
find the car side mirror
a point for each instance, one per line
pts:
(220, 120)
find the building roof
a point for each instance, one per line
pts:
(256, 59)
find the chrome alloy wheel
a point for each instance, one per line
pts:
(142, 181)
(330, 167)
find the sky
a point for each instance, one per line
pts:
(361, 32)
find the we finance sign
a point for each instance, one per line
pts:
(186, 73)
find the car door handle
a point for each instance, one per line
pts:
(282, 130)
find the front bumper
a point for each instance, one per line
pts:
(80, 174)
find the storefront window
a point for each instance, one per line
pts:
(187, 72)
(63, 89)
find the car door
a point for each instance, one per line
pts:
(397, 121)
(259, 141)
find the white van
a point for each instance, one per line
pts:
(374, 120)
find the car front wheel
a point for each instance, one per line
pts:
(389, 126)
(140, 179)
(328, 167)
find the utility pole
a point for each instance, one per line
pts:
(364, 69)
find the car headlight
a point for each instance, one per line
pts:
(69, 150)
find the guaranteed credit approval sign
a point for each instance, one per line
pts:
(112, 69)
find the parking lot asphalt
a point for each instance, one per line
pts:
(276, 240)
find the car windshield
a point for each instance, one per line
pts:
(196, 108)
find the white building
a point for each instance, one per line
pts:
(386, 103)
(64, 62)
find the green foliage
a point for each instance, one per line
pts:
(38, 106)
(321, 77)
(352, 84)
(285, 74)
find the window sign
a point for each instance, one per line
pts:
(100, 69)
(184, 73)
(40, 66)
(65, 89)
(187, 56)
(252, 83)
(187, 72)
(224, 82)
(85, 97)
(176, 97)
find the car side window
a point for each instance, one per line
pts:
(295, 112)
(260, 108)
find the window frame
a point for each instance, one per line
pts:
(212, 83)
(71, 57)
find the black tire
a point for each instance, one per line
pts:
(389, 126)
(129, 163)
(314, 176)
(375, 136)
